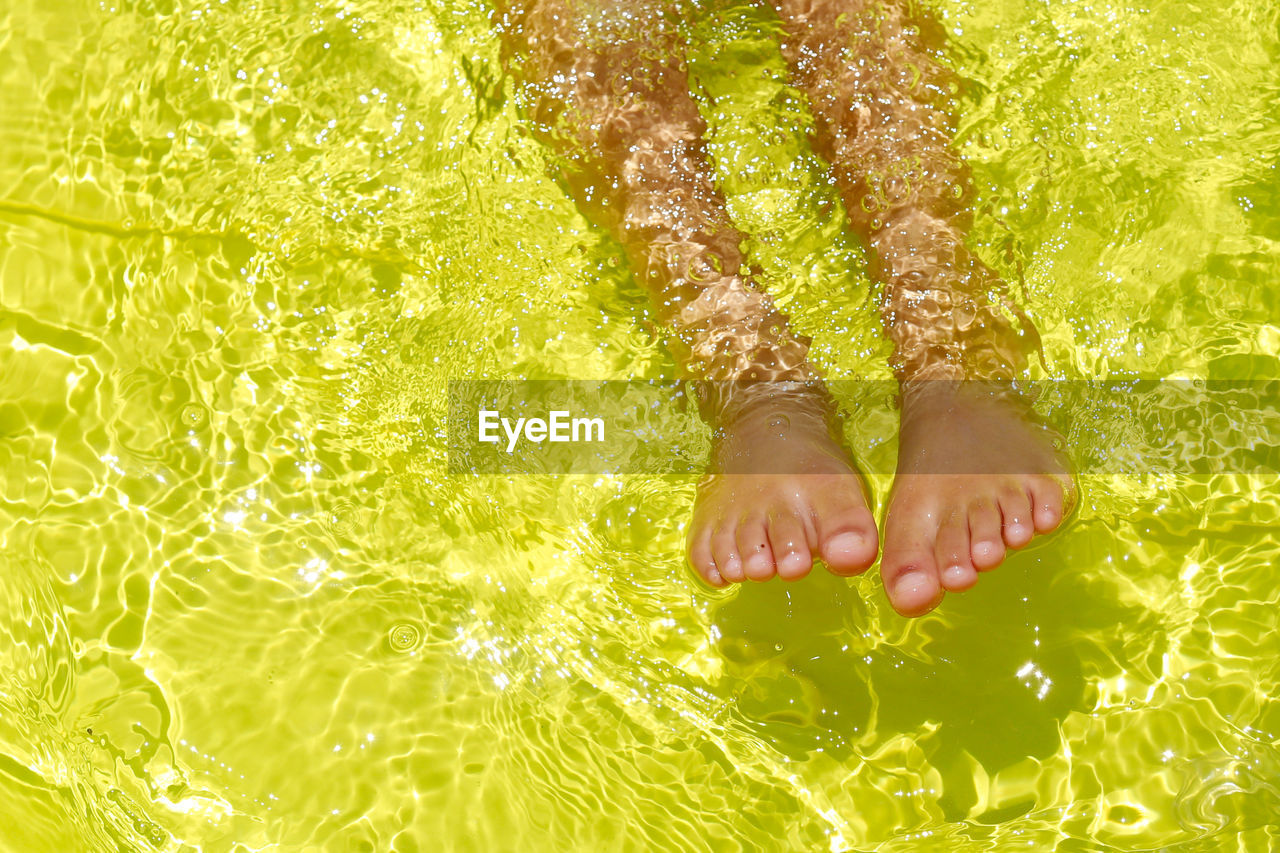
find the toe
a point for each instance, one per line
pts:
(908, 569)
(724, 549)
(912, 585)
(986, 543)
(1046, 504)
(951, 554)
(850, 552)
(790, 546)
(846, 534)
(753, 545)
(701, 559)
(1015, 508)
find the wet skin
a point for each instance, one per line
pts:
(811, 503)
(976, 478)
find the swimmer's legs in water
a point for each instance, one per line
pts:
(604, 84)
(976, 475)
(606, 88)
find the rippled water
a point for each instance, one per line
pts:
(244, 246)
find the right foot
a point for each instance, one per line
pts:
(782, 492)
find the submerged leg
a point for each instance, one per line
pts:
(605, 87)
(976, 474)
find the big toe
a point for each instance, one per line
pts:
(913, 587)
(1047, 503)
(850, 552)
(909, 570)
(847, 535)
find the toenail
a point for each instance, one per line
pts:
(791, 570)
(1018, 530)
(845, 542)
(909, 583)
(956, 574)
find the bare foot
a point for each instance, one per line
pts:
(976, 476)
(781, 493)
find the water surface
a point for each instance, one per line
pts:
(244, 247)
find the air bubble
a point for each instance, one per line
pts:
(341, 517)
(193, 415)
(404, 637)
(779, 424)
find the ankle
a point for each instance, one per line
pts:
(731, 405)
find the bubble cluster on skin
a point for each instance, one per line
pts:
(881, 102)
(607, 89)
(618, 114)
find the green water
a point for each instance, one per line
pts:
(243, 248)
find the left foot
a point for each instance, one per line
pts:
(976, 475)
